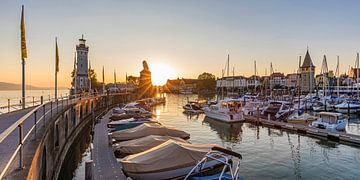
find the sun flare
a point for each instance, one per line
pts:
(160, 73)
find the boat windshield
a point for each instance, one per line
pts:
(328, 119)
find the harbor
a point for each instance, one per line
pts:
(192, 90)
(292, 154)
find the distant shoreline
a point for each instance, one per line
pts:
(5, 86)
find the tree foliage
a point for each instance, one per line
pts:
(206, 82)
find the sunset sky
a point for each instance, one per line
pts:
(190, 36)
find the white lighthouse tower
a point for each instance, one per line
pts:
(82, 67)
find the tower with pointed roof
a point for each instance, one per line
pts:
(82, 66)
(307, 70)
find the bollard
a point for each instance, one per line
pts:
(258, 114)
(33, 101)
(35, 123)
(8, 105)
(21, 148)
(41, 100)
(89, 170)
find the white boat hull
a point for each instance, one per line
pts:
(237, 117)
(332, 127)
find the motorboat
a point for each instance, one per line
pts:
(277, 110)
(134, 146)
(128, 123)
(147, 129)
(138, 112)
(228, 171)
(348, 107)
(169, 160)
(227, 110)
(118, 110)
(192, 107)
(301, 118)
(251, 108)
(116, 117)
(330, 121)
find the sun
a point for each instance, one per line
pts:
(160, 73)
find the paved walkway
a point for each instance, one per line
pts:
(8, 146)
(106, 166)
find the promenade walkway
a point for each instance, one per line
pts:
(106, 165)
(9, 144)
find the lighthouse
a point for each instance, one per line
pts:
(82, 67)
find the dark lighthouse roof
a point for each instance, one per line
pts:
(307, 61)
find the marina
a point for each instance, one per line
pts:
(134, 91)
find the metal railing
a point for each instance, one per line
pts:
(31, 101)
(35, 113)
(37, 119)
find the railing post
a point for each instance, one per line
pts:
(44, 115)
(51, 109)
(8, 105)
(62, 102)
(33, 101)
(21, 148)
(35, 123)
(57, 106)
(41, 100)
(49, 98)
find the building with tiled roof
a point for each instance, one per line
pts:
(307, 70)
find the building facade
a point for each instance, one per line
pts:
(307, 70)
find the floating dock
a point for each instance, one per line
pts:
(342, 137)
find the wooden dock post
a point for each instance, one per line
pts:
(89, 170)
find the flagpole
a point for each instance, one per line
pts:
(56, 67)
(23, 83)
(23, 55)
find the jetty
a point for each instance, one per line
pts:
(342, 137)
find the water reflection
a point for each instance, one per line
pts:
(229, 132)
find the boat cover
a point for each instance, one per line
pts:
(169, 155)
(147, 129)
(142, 144)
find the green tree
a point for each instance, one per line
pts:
(92, 75)
(206, 82)
(133, 80)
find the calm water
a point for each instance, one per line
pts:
(267, 153)
(15, 96)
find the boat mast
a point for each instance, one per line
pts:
(357, 73)
(271, 72)
(228, 64)
(338, 77)
(324, 71)
(255, 84)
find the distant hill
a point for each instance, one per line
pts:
(4, 86)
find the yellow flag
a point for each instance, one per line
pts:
(23, 41)
(56, 56)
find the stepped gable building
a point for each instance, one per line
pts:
(307, 70)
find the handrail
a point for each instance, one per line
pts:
(19, 123)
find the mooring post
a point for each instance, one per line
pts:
(35, 123)
(8, 105)
(258, 113)
(21, 148)
(89, 170)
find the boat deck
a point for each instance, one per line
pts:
(342, 137)
(106, 165)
